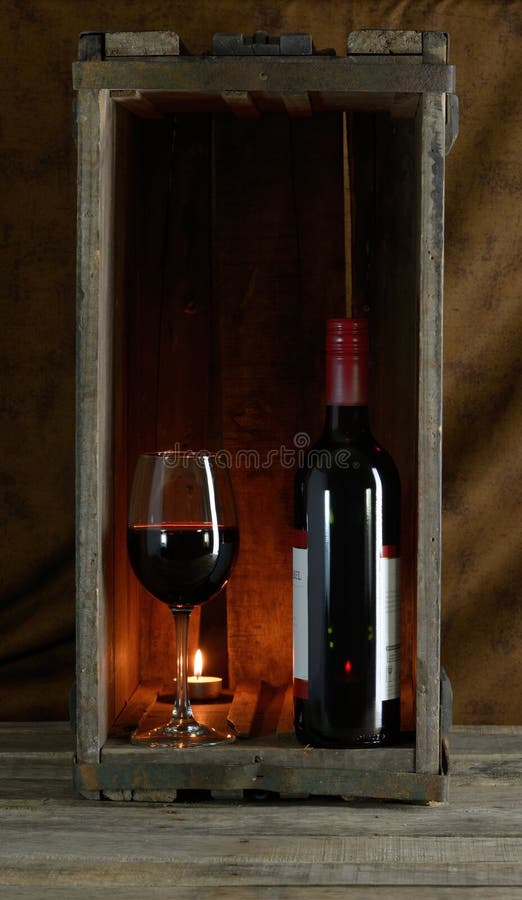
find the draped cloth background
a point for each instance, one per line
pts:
(482, 613)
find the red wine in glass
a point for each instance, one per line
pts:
(183, 563)
(182, 542)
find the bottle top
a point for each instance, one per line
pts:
(347, 337)
(347, 362)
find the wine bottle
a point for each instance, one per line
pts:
(346, 602)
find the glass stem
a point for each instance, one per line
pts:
(182, 711)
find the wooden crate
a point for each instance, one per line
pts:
(222, 200)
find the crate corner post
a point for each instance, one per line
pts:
(94, 412)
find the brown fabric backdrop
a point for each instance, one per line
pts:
(482, 627)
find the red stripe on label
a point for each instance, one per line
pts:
(300, 539)
(390, 551)
(300, 689)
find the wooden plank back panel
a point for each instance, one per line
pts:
(183, 353)
(394, 324)
(125, 633)
(278, 273)
(164, 350)
(384, 272)
(146, 220)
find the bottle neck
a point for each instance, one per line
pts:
(346, 376)
(346, 389)
(346, 420)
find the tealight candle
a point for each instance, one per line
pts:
(203, 687)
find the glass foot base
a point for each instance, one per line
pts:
(181, 737)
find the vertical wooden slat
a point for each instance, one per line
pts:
(125, 631)
(431, 141)
(278, 274)
(393, 328)
(166, 342)
(188, 382)
(384, 274)
(94, 411)
(361, 145)
(149, 187)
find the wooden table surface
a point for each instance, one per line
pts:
(54, 844)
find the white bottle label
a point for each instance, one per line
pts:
(389, 636)
(388, 617)
(300, 617)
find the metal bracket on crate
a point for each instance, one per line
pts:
(260, 44)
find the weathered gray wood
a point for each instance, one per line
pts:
(434, 47)
(36, 793)
(56, 845)
(271, 751)
(388, 41)
(431, 142)
(347, 783)
(481, 739)
(46, 737)
(271, 764)
(435, 50)
(141, 43)
(259, 892)
(94, 409)
(281, 75)
(486, 766)
(94, 856)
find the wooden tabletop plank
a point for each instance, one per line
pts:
(259, 892)
(56, 844)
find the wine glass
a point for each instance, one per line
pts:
(182, 543)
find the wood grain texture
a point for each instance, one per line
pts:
(283, 76)
(94, 401)
(376, 41)
(123, 603)
(164, 350)
(382, 166)
(141, 43)
(278, 272)
(431, 138)
(278, 752)
(241, 714)
(52, 839)
(286, 892)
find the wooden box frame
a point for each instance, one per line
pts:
(406, 74)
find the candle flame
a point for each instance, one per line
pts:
(198, 664)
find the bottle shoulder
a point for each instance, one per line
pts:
(340, 452)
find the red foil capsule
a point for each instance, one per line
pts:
(347, 362)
